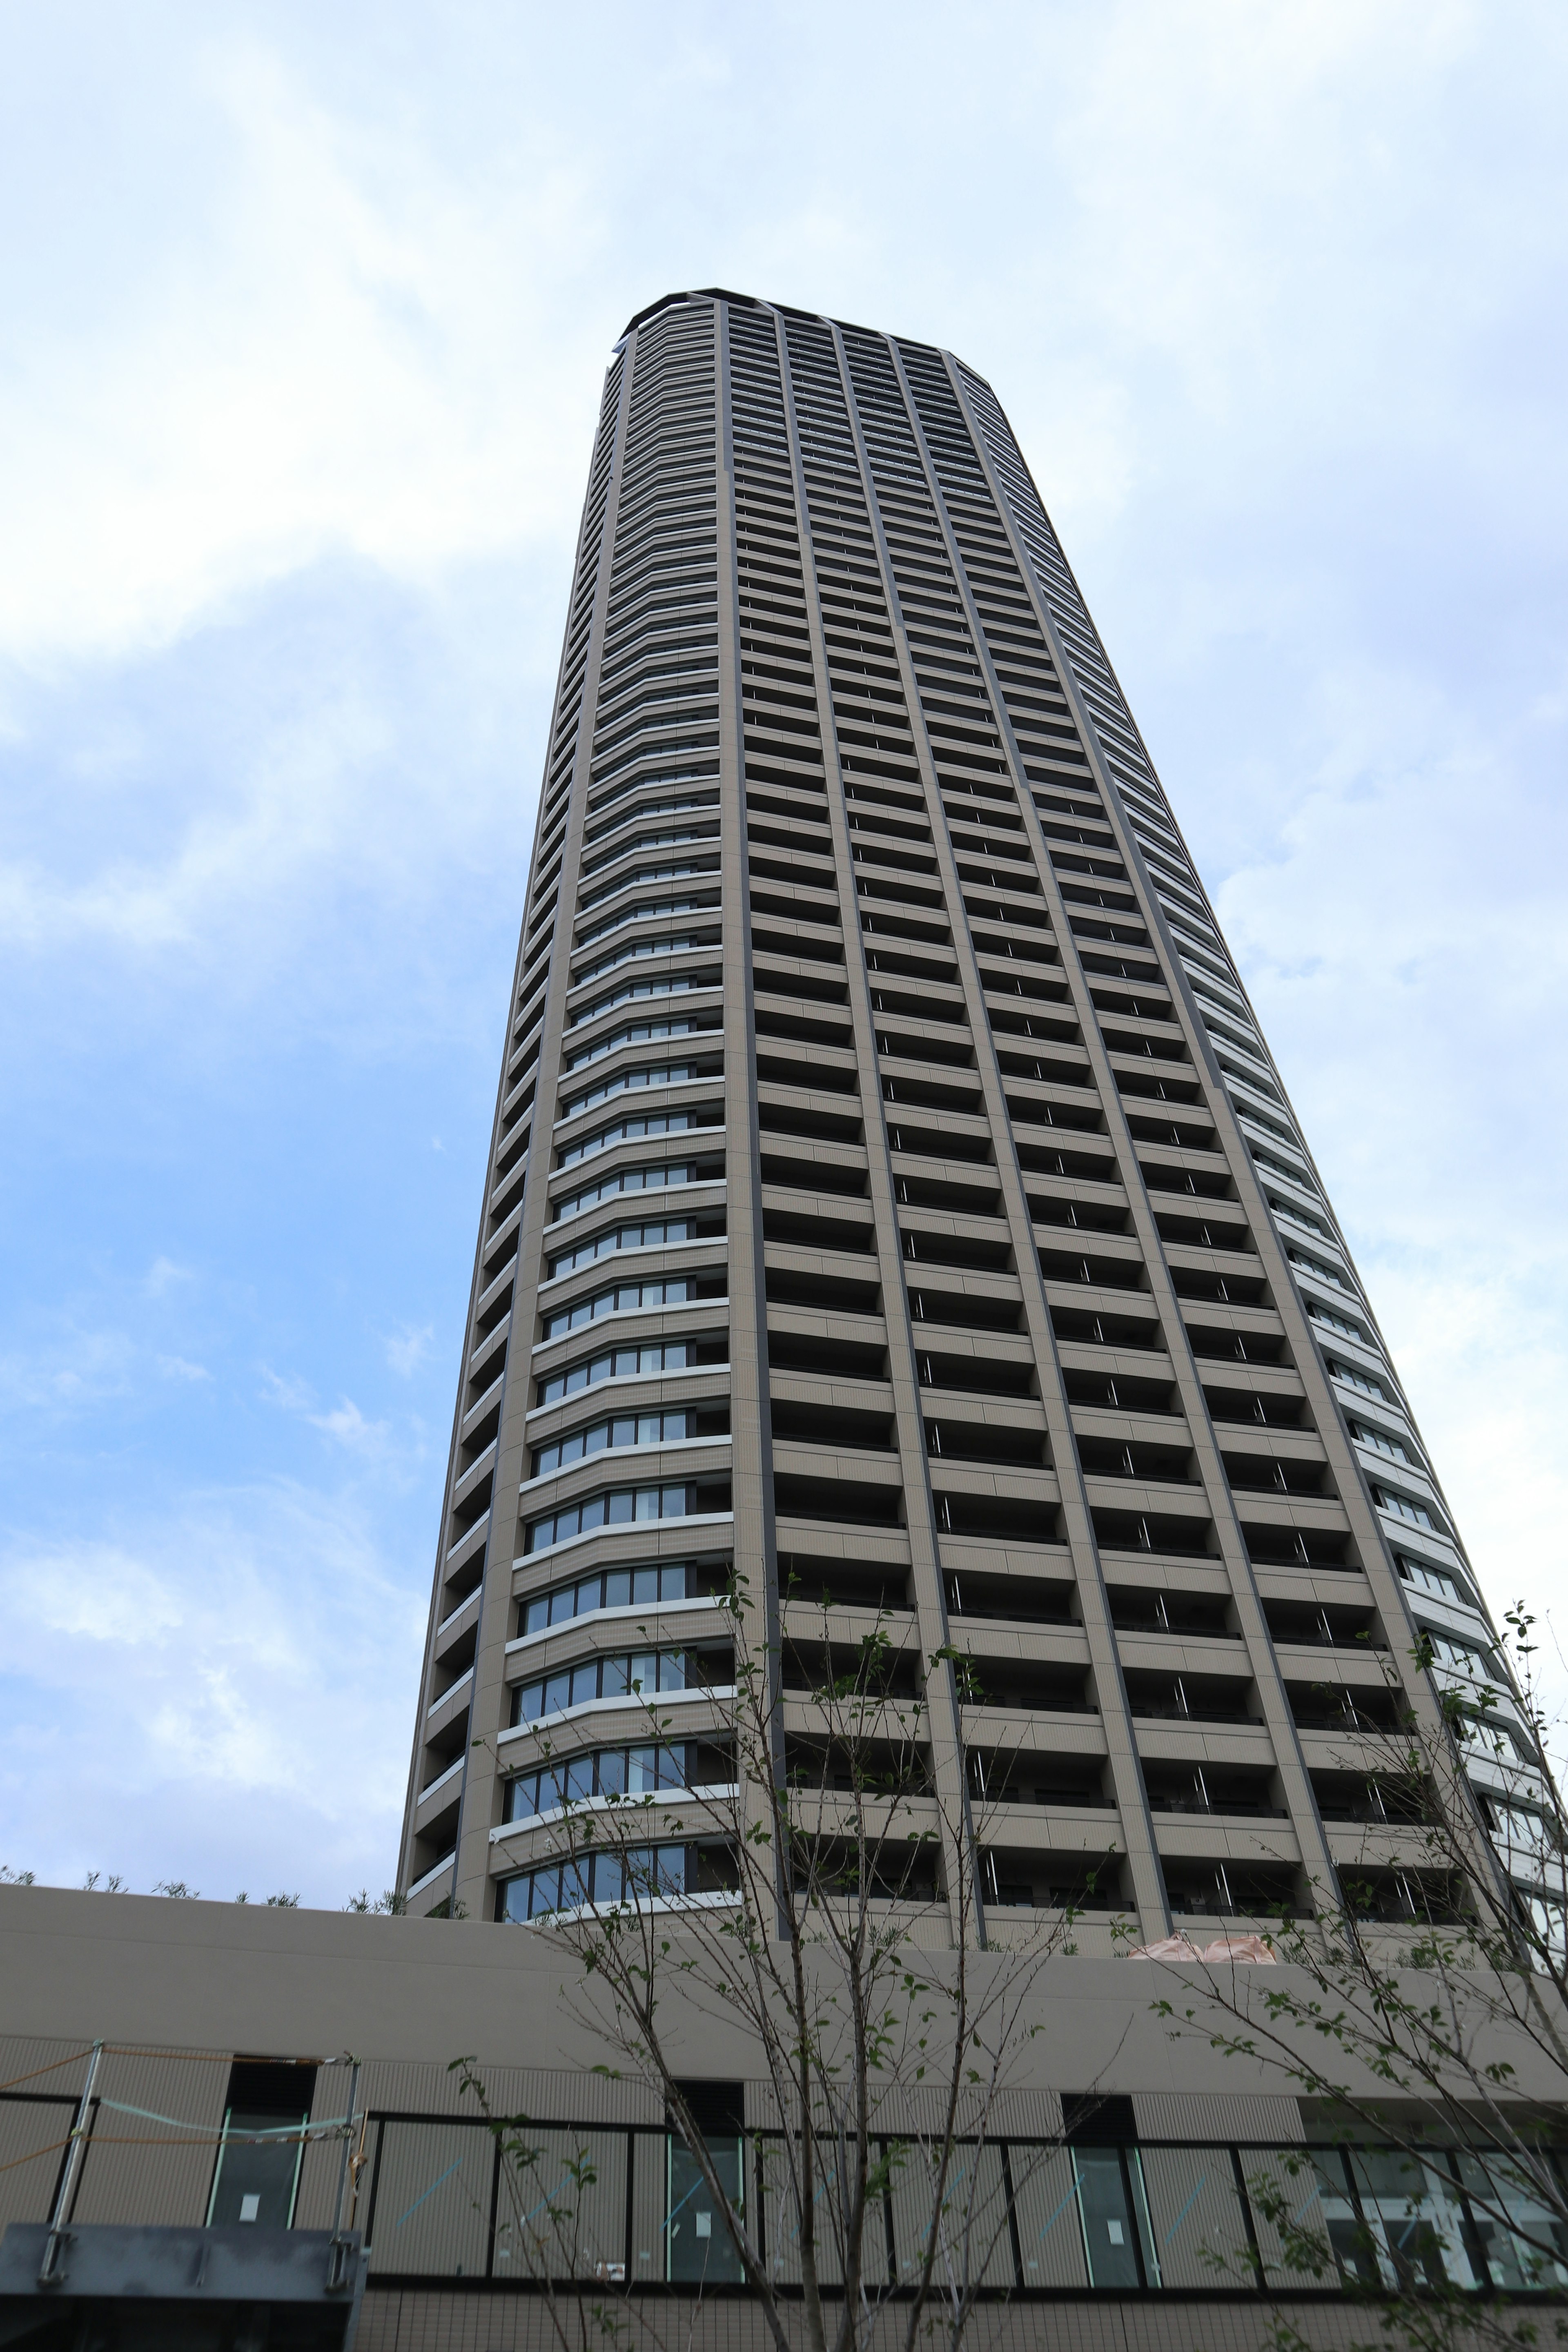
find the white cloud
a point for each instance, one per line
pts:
(1271, 296)
(248, 1660)
(345, 1424)
(341, 348)
(76, 1370)
(349, 1426)
(407, 1348)
(1408, 964)
(294, 1395)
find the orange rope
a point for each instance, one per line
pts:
(199, 2057)
(129, 2050)
(99, 2139)
(74, 2059)
(102, 2139)
(53, 2150)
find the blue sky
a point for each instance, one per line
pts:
(304, 317)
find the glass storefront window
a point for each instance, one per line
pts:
(700, 2251)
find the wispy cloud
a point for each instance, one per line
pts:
(312, 364)
(68, 1372)
(349, 1426)
(407, 1348)
(292, 1394)
(291, 468)
(245, 1662)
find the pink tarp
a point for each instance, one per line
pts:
(1249, 1951)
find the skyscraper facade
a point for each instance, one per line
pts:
(891, 1194)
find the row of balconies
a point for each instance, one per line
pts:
(477, 1424)
(1188, 1672)
(1040, 1829)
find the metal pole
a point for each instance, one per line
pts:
(348, 2144)
(340, 2276)
(51, 2271)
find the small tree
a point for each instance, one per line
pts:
(1425, 2013)
(832, 1916)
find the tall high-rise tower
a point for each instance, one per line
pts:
(890, 1189)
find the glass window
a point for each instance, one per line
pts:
(257, 2179)
(1415, 2220)
(1430, 1580)
(1106, 2210)
(1402, 1507)
(616, 1676)
(701, 2249)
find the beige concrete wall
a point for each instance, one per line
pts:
(407, 1996)
(177, 1988)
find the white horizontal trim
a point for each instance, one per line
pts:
(624, 1527)
(470, 1478)
(682, 995)
(1433, 1614)
(483, 1398)
(1302, 1219)
(642, 1249)
(619, 1314)
(629, 1380)
(621, 1453)
(632, 1614)
(450, 1692)
(1391, 1468)
(1506, 1776)
(610, 1805)
(1399, 1532)
(659, 1094)
(647, 1701)
(452, 1616)
(439, 1781)
(719, 1900)
(637, 1193)
(469, 1535)
(1338, 1297)
(430, 1876)
(485, 1347)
